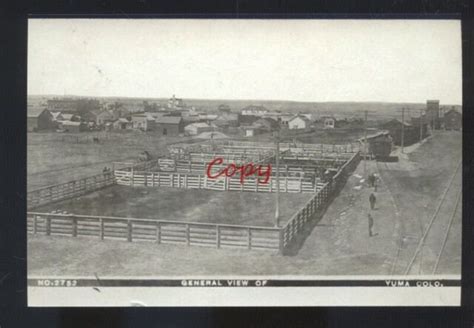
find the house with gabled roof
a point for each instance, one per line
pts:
(299, 122)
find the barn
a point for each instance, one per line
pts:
(453, 120)
(39, 118)
(170, 125)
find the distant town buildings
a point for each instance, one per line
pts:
(254, 110)
(175, 103)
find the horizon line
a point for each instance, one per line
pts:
(248, 99)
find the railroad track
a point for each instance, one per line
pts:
(429, 251)
(406, 230)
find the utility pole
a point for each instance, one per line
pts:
(403, 128)
(421, 124)
(277, 209)
(365, 144)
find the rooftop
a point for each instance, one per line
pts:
(169, 119)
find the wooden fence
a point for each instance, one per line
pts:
(201, 181)
(256, 147)
(69, 189)
(156, 231)
(321, 199)
(298, 221)
(75, 188)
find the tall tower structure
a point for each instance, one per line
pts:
(432, 113)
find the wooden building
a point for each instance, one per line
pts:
(299, 122)
(39, 118)
(197, 128)
(169, 125)
(453, 120)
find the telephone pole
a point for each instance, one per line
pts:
(365, 144)
(277, 209)
(421, 124)
(403, 128)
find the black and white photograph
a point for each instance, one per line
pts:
(244, 162)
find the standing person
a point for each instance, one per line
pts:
(371, 224)
(375, 182)
(371, 180)
(372, 200)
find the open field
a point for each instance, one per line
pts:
(246, 208)
(338, 243)
(56, 157)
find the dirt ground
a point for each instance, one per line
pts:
(337, 244)
(417, 183)
(174, 204)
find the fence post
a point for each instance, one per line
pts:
(35, 224)
(152, 179)
(188, 236)
(102, 232)
(218, 236)
(158, 232)
(132, 180)
(74, 226)
(48, 225)
(281, 241)
(129, 229)
(249, 238)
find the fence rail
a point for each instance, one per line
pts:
(157, 231)
(69, 189)
(199, 181)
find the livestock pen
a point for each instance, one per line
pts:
(300, 175)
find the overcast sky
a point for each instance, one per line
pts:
(301, 60)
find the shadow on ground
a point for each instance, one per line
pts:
(298, 241)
